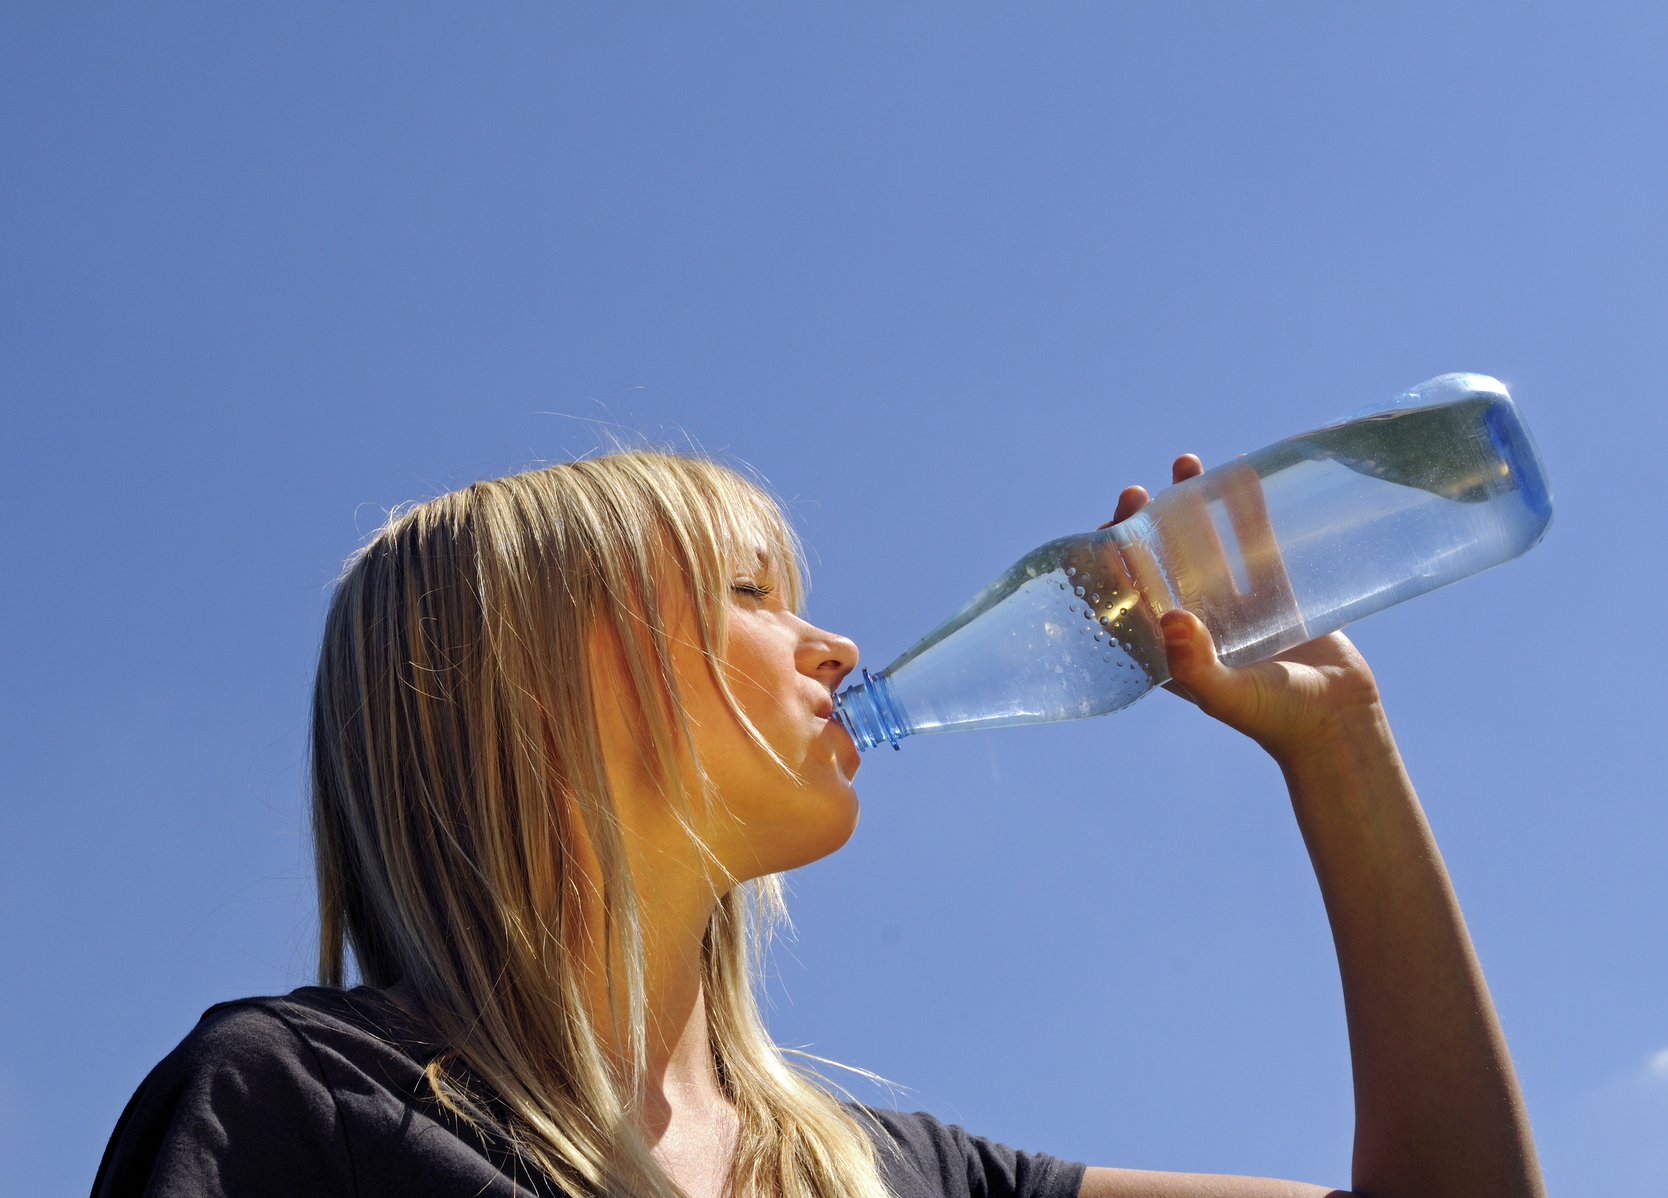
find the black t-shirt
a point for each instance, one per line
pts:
(321, 1093)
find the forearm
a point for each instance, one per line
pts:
(1438, 1110)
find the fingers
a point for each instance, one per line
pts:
(1217, 689)
(1130, 501)
(1133, 499)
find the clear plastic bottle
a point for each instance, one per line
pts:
(1270, 550)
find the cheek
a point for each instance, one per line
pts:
(762, 678)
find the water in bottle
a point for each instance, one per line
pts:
(1270, 550)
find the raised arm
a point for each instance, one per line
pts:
(1437, 1106)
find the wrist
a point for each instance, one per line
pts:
(1347, 780)
(1346, 741)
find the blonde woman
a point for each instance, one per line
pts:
(569, 729)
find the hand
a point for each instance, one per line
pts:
(1293, 703)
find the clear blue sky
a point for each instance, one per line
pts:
(949, 276)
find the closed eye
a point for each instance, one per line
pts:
(753, 590)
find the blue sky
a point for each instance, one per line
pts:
(949, 276)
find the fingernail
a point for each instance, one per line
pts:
(1177, 632)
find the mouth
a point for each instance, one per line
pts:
(851, 759)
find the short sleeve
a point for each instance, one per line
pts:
(921, 1157)
(241, 1109)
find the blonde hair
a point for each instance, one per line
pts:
(456, 762)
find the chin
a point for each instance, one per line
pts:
(847, 826)
(828, 823)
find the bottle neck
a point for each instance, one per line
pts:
(870, 713)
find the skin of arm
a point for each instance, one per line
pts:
(1438, 1108)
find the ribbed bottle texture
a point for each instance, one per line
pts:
(1269, 550)
(868, 713)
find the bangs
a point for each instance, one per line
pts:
(719, 525)
(756, 541)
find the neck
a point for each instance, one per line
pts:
(680, 1077)
(680, 1070)
(682, 1110)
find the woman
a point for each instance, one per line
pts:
(568, 730)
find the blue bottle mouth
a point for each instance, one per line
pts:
(870, 713)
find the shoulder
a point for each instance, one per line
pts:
(244, 1103)
(249, 1035)
(298, 1044)
(923, 1157)
(319, 1092)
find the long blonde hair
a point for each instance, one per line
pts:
(456, 762)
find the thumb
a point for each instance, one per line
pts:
(1216, 688)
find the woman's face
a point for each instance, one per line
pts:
(783, 673)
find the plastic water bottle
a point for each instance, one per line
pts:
(1270, 550)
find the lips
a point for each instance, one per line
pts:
(853, 760)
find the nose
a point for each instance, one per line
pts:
(826, 656)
